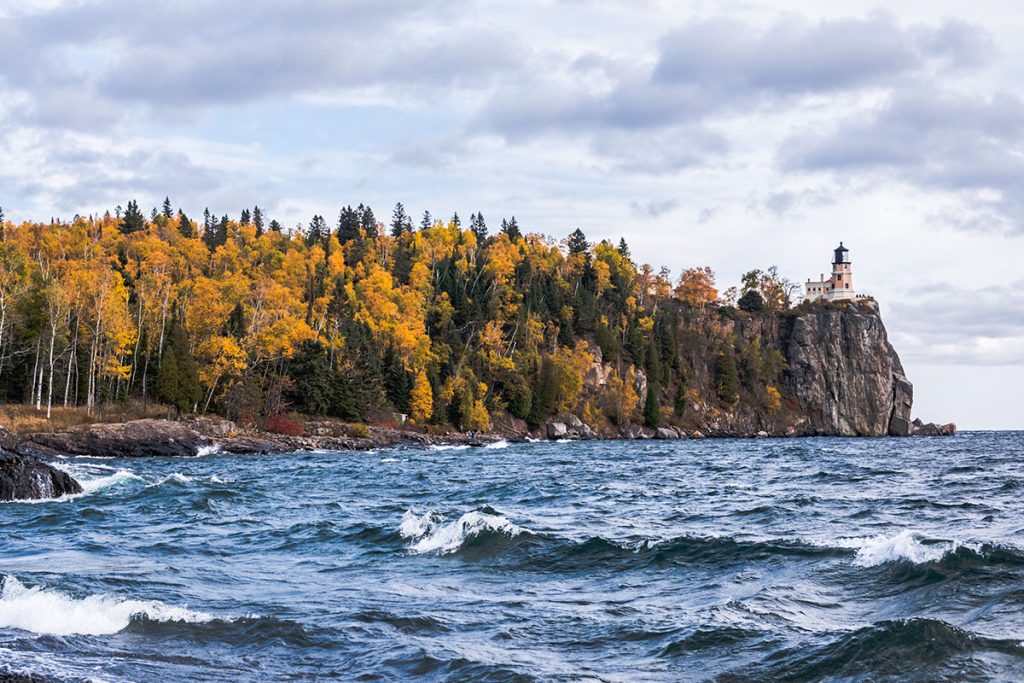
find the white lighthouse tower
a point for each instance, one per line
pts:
(839, 287)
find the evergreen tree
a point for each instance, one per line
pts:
(185, 225)
(153, 214)
(275, 226)
(207, 220)
(623, 248)
(3, 223)
(679, 405)
(400, 222)
(348, 225)
(478, 226)
(577, 243)
(133, 220)
(456, 221)
(511, 228)
(652, 410)
(317, 232)
(727, 381)
(257, 220)
(168, 212)
(177, 382)
(426, 222)
(245, 218)
(367, 221)
(317, 388)
(751, 302)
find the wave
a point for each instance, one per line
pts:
(430, 535)
(209, 449)
(502, 443)
(887, 649)
(905, 545)
(53, 612)
(448, 447)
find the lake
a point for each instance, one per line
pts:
(608, 561)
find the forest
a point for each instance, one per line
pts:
(365, 320)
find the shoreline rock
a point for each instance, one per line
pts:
(193, 436)
(26, 478)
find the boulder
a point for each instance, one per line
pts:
(899, 426)
(762, 434)
(696, 435)
(557, 430)
(932, 429)
(666, 433)
(23, 478)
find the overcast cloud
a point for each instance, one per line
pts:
(737, 135)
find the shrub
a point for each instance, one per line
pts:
(282, 424)
(357, 431)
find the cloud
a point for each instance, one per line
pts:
(653, 209)
(942, 323)
(639, 115)
(798, 56)
(968, 146)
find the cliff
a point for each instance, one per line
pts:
(844, 374)
(818, 369)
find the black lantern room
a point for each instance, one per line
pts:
(842, 255)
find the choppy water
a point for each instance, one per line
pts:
(729, 560)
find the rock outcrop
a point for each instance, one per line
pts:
(844, 375)
(25, 478)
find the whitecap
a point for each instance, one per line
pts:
(903, 546)
(432, 537)
(449, 447)
(53, 612)
(389, 459)
(498, 444)
(563, 440)
(209, 449)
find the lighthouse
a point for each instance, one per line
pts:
(839, 287)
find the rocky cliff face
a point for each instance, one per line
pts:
(844, 374)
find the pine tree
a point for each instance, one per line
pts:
(275, 226)
(399, 220)
(478, 226)
(652, 410)
(185, 225)
(257, 220)
(511, 228)
(168, 212)
(207, 220)
(577, 243)
(426, 222)
(245, 218)
(679, 404)
(456, 221)
(3, 223)
(348, 225)
(727, 381)
(177, 382)
(367, 221)
(623, 248)
(133, 220)
(317, 232)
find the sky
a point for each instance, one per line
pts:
(737, 135)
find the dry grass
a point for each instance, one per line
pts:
(19, 418)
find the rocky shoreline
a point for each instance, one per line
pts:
(25, 474)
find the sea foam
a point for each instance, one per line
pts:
(502, 443)
(431, 534)
(210, 449)
(904, 546)
(53, 612)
